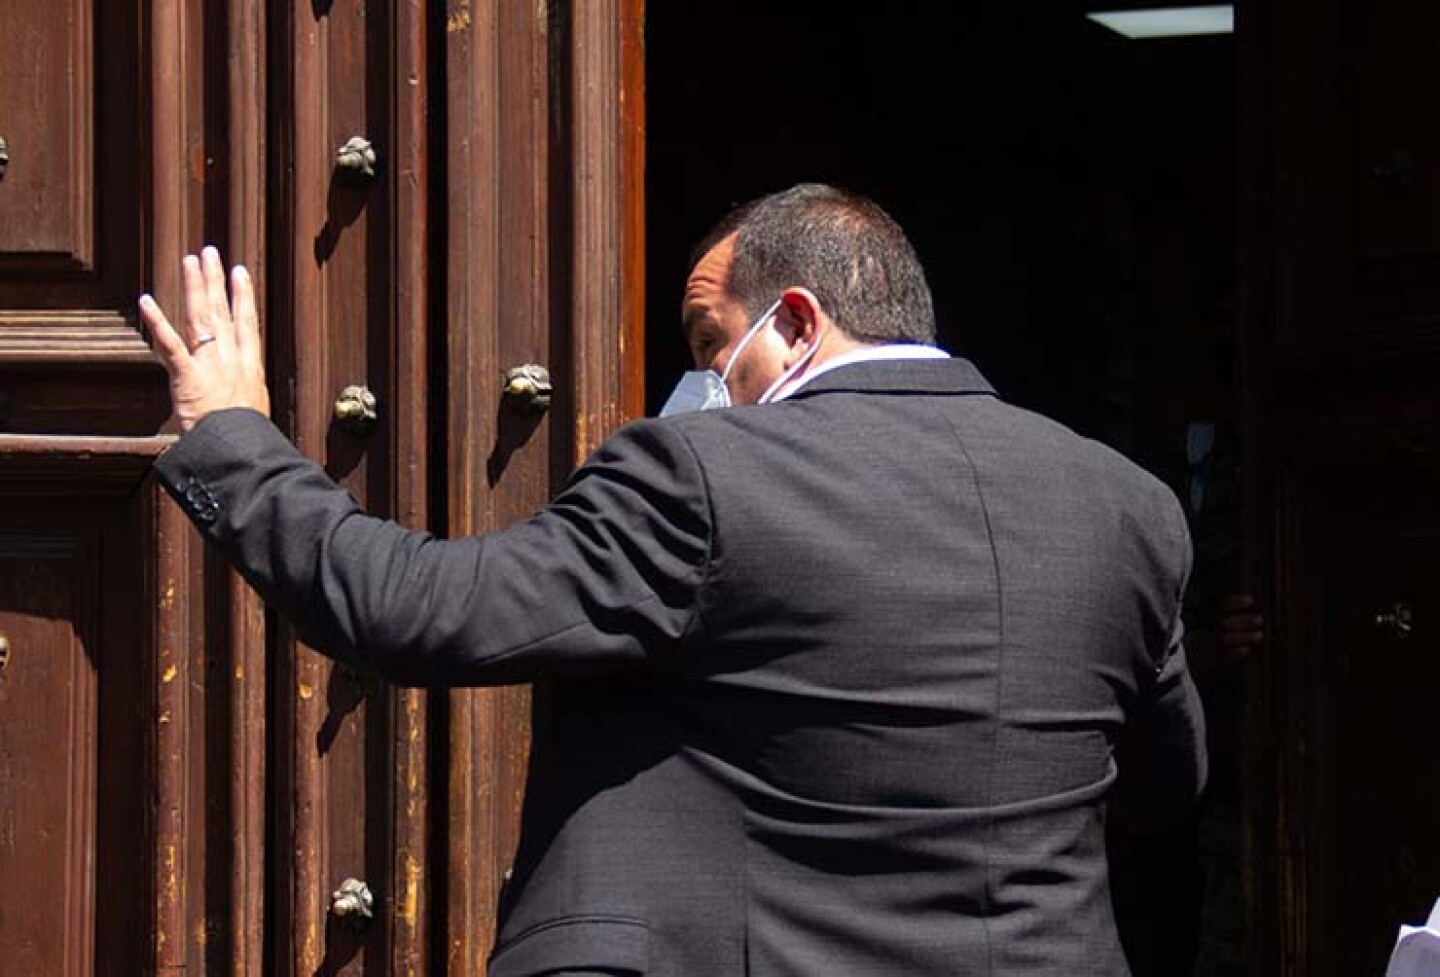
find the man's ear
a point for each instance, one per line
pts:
(799, 315)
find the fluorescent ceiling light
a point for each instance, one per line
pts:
(1169, 21)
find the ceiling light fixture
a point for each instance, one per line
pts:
(1169, 21)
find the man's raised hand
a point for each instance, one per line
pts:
(216, 360)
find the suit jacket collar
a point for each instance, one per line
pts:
(949, 376)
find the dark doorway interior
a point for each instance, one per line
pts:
(1073, 195)
(1070, 192)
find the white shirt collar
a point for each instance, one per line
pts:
(866, 354)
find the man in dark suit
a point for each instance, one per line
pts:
(837, 683)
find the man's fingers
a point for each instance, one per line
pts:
(219, 302)
(167, 342)
(246, 319)
(197, 303)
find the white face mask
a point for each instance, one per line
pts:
(706, 389)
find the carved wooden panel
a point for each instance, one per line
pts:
(335, 326)
(1356, 191)
(48, 731)
(46, 75)
(544, 201)
(1352, 676)
(1342, 267)
(71, 220)
(512, 238)
(237, 673)
(1398, 245)
(70, 233)
(1379, 784)
(1399, 156)
(71, 716)
(228, 800)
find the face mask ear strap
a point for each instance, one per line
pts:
(755, 328)
(789, 374)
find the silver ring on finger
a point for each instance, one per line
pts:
(201, 341)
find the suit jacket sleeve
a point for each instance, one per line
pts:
(1162, 758)
(603, 577)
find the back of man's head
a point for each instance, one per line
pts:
(842, 247)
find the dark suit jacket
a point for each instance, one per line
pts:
(832, 687)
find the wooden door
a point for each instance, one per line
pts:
(72, 719)
(1343, 326)
(186, 786)
(1377, 794)
(346, 752)
(87, 640)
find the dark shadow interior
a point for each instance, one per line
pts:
(1071, 192)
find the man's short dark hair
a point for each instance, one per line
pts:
(842, 247)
